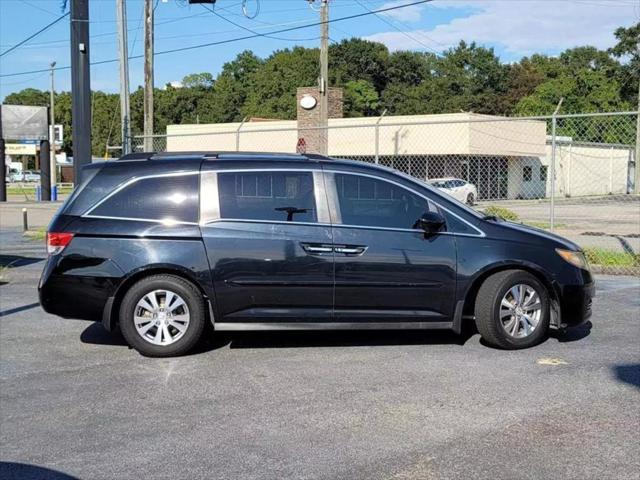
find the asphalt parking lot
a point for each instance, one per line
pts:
(75, 402)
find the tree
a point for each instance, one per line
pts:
(29, 96)
(472, 77)
(628, 47)
(230, 90)
(410, 68)
(357, 59)
(467, 77)
(522, 79)
(360, 99)
(198, 80)
(274, 83)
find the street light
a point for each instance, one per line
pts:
(52, 140)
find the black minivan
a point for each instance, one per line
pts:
(160, 244)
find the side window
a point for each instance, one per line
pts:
(173, 198)
(455, 225)
(527, 172)
(276, 196)
(371, 202)
(543, 173)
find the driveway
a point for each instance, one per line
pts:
(75, 402)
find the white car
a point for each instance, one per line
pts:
(459, 189)
(31, 176)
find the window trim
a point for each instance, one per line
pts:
(210, 196)
(336, 206)
(127, 184)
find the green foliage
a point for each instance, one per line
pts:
(360, 99)
(611, 258)
(467, 77)
(198, 80)
(273, 85)
(501, 212)
(357, 59)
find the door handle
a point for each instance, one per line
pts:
(316, 248)
(350, 250)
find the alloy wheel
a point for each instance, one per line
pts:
(520, 311)
(161, 317)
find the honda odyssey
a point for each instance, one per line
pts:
(160, 245)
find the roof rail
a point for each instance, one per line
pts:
(220, 156)
(136, 156)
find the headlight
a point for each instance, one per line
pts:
(577, 259)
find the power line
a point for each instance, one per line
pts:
(403, 32)
(38, 7)
(212, 10)
(232, 40)
(35, 34)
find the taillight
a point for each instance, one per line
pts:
(57, 241)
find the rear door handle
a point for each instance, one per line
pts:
(350, 250)
(316, 248)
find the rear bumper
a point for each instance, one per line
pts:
(73, 296)
(576, 303)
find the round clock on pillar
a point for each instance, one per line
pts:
(308, 102)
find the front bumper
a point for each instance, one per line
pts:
(576, 302)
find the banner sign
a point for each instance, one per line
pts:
(21, 122)
(19, 149)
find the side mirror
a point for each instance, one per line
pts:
(430, 222)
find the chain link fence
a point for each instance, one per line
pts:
(574, 175)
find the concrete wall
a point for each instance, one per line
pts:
(590, 169)
(256, 136)
(580, 170)
(446, 134)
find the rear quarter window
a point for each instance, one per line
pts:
(164, 198)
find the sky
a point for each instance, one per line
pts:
(514, 28)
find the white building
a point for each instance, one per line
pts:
(504, 157)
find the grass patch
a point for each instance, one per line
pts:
(31, 189)
(38, 234)
(545, 225)
(611, 258)
(502, 212)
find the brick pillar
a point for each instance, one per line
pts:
(310, 117)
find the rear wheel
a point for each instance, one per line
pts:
(470, 199)
(162, 316)
(512, 310)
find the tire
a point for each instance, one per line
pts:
(470, 199)
(510, 331)
(189, 314)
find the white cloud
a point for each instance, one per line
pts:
(412, 13)
(522, 27)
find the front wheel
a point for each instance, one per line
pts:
(512, 310)
(162, 316)
(470, 199)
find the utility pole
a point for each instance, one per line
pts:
(3, 166)
(52, 135)
(323, 81)
(123, 50)
(80, 87)
(148, 75)
(636, 179)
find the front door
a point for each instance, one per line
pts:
(269, 246)
(385, 270)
